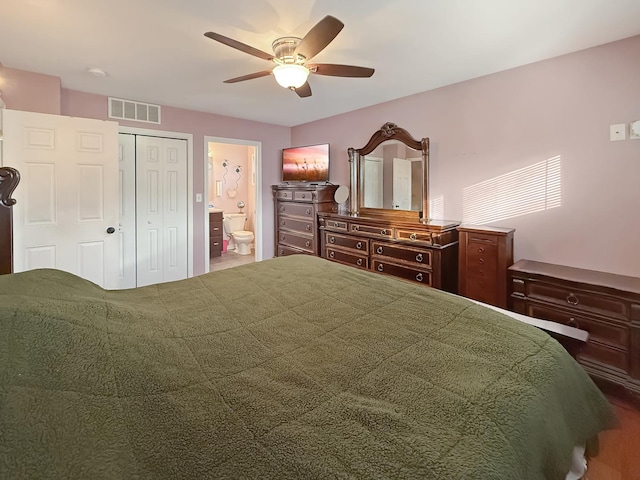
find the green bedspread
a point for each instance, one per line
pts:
(293, 367)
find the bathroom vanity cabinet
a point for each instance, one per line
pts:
(296, 216)
(215, 234)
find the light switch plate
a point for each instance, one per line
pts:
(617, 132)
(634, 130)
(198, 197)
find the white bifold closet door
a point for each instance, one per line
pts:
(66, 214)
(154, 206)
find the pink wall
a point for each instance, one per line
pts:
(30, 92)
(200, 124)
(487, 127)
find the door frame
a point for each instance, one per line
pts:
(258, 193)
(178, 136)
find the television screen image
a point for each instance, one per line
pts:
(306, 164)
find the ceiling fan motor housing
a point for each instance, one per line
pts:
(284, 50)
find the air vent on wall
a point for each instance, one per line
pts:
(135, 111)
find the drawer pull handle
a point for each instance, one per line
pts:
(332, 254)
(481, 261)
(359, 262)
(359, 245)
(380, 267)
(283, 222)
(383, 232)
(308, 228)
(573, 323)
(308, 211)
(282, 208)
(281, 252)
(419, 257)
(419, 277)
(572, 299)
(413, 236)
(215, 229)
(332, 239)
(282, 237)
(481, 250)
(304, 196)
(379, 250)
(356, 228)
(308, 243)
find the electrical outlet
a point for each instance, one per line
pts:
(198, 197)
(617, 132)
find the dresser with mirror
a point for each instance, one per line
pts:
(386, 228)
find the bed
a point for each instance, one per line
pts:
(294, 367)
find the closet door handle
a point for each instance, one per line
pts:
(110, 230)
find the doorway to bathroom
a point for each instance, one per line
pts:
(233, 217)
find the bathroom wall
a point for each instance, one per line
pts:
(235, 179)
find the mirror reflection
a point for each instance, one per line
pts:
(392, 177)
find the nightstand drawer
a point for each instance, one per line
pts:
(599, 331)
(578, 299)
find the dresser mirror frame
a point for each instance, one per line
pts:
(389, 132)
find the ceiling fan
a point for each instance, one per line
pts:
(291, 54)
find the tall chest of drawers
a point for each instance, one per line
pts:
(604, 304)
(425, 254)
(485, 255)
(296, 216)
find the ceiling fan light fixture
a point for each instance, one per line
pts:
(291, 75)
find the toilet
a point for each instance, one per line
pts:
(233, 226)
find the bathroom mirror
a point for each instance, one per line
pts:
(389, 175)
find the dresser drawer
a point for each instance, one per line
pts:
(607, 355)
(414, 255)
(298, 240)
(481, 239)
(345, 241)
(336, 225)
(578, 300)
(284, 250)
(304, 196)
(599, 331)
(284, 194)
(406, 272)
(360, 261)
(425, 238)
(296, 224)
(372, 231)
(295, 209)
(483, 288)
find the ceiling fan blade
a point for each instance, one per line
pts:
(304, 90)
(250, 76)
(319, 37)
(239, 45)
(340, 70)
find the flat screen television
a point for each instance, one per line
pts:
(306, 164)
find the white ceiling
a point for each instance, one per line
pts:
(155, 51)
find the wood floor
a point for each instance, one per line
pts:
(619, 457)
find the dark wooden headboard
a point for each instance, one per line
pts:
(9, 178)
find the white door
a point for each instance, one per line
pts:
(161, 209)
(67, 209)
(373, 182)
(401, 184)
(127, 270)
